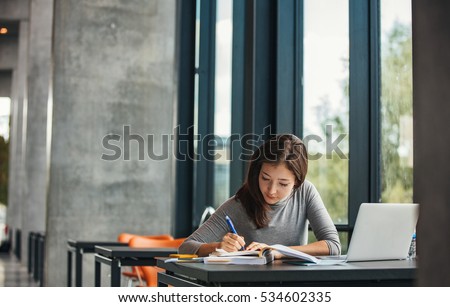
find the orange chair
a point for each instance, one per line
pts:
(125, 237)
(150, 272)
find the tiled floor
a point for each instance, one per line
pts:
(13, 273)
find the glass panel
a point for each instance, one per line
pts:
(5, 110)
(396, 102)
(326, 103)
(196, 89)
(197, 33)
(222, 110)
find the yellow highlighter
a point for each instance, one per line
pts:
(183, 256)
(179, 258)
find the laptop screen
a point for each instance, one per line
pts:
(383, 231)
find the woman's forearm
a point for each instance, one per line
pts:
(319, 248)
(207, 248)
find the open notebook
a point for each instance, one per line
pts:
(263, 256)
(383, 231)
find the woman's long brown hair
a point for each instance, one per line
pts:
(285, 148)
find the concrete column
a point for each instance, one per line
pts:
(113, 84)
(16, 189)
(431, 96)
(36, 170)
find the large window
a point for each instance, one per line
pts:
(396, 101)
(335, 72)
(211, 104)
(325, 102)
(222, 100)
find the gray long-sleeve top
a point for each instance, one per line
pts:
(288, 223)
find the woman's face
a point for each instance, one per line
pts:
(275, 182)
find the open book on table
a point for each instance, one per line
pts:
(262, 256)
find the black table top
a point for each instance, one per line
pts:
(133, 252)
(280, 271)
(89, 245)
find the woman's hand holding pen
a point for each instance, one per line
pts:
(232, 242)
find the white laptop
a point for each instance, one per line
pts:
(383, 231)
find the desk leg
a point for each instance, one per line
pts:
(29, 251)
(69, 268)
(97, 273)
(115, 273)
(36, 260)
(168, 278)
(78, 267)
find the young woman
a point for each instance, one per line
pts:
(274, 206)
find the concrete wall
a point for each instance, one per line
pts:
(35, 154)
(14, 9)
(113, 66)
(431, 77)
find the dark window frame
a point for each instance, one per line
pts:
(267, 68)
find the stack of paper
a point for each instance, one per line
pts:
(243, 257)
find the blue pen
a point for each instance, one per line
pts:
(230, 224)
